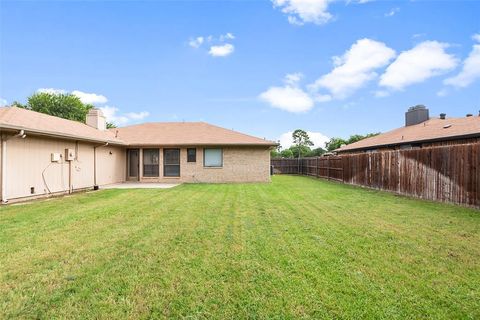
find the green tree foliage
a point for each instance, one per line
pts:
(302, 142)
(336, 143)
(67, 106)
(111, 125)
(287, 153)
(317, 152)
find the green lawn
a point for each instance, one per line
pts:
(298, 247)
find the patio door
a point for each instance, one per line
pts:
(133, 164)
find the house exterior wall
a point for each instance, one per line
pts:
(240, 164)
(111, 165)
(28, 164)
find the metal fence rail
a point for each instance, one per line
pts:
(445, 173)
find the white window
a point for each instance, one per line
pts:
(212, 157)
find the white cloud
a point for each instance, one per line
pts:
(300, 12)
(392, 12)
(322, 97)
(224, 37)
(222, 50)
(197, 42)
(293, 79)
(476, 37)
(138, 115)
(470, 70)
(381, 93)
(426, 60)
(305, 11)
(317, 138)
(112, 115)
(355, 68)
(289, 97)
(51, 91)
(3, 102)
(90, 98)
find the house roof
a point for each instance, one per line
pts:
(39, 123)
(147, 134)
(186, 134)
(431, 130)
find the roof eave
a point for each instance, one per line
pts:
(449, 138)
(59, 135)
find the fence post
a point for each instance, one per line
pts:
(316, 167)
(328, 168)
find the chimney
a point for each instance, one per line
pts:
(96, 119)
(442, 116)
(416, 115)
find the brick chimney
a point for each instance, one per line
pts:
(96, 119)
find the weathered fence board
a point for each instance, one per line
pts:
(444, 173)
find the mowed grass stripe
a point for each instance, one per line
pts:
(298, 247)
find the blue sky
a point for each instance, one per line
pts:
(333, 68)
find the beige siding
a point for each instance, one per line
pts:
(111, 165)
(29, 165)
(240, 164)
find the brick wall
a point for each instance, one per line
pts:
(240, 164)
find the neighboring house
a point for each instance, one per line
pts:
(43, 155)
(420, 131)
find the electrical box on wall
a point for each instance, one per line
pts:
(56, 157)
(69, 154)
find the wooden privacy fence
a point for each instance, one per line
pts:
(446, 173)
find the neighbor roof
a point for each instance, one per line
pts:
(430, 130)
(39, 123)
(185, 134)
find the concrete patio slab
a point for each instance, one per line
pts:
(140, 185)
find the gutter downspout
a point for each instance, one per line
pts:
(20, 134)
(95, 185)
(4, 170)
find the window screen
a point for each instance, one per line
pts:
(191, 155)
(212, 158)
(171, 162)
(150, 162)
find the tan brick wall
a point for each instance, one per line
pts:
(240, 164)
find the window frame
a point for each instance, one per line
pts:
(221, 155)
(157, 164)
(165, 165)
(195, 155)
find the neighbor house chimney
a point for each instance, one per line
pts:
(416, 115)
(95, 119)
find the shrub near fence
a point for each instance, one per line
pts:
(447, 173)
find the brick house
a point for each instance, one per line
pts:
(43, 154)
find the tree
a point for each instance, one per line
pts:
(301, 140)
(67, 106)
(111, 125)
(335, 143)
(317, 152)
(287, 153)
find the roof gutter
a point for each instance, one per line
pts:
(58, 135)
